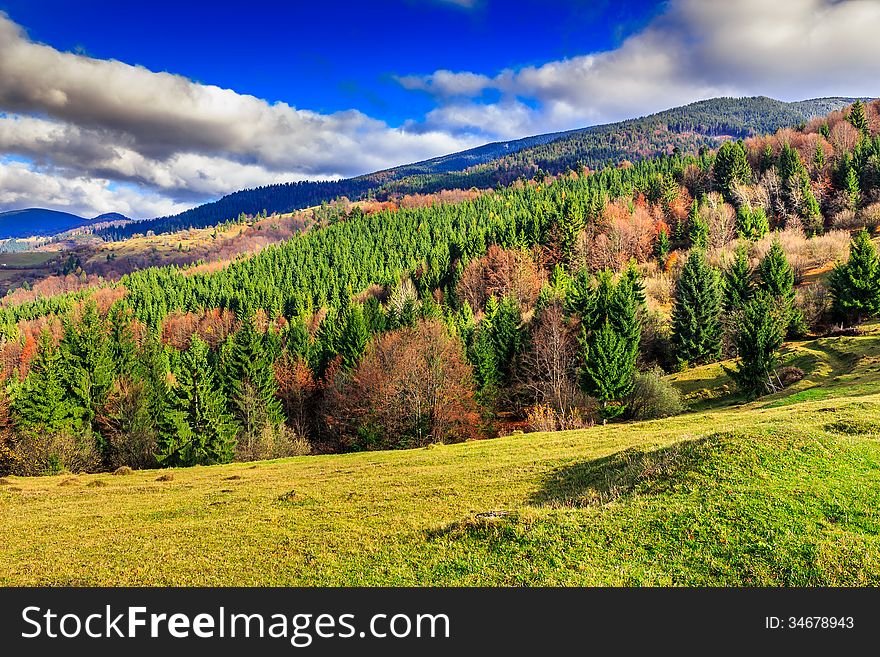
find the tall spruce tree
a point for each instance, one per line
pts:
(354, 337)
(249, 374)
(122, 344)
(696, 328)
(776, 278)
(611, 330)
(607, 368)
(698, 227)
(760, 332)
(855, 285)
(88, 360)
(41, 402)
(196, 428)
(731, 167)
(737, 284)
(858, 119)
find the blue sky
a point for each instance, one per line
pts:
(331, 56)
(149, 108)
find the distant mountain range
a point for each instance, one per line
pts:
(37, 222)
(687, 129)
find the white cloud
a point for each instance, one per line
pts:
(697, 49)
(84, 196)
(106, 119)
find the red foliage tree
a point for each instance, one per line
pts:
(411, 388)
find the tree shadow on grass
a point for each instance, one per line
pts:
(603, 480)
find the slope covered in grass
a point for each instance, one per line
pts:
(782, 491)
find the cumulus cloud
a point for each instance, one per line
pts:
(21, 183)
(106, 119)
(696, 49)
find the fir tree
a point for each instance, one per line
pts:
(731, 167)
(196, 428)
(759, 335)
(737, 283)
(855, 285)
(41, 403)
(696, 330)
(608, 368)
(858, 119)
(354, 337)
(751, 224)
(248, 368)
(506, 336)
(88, 361)
(819, 157)
(662, 246)
(698, 228)
(122, 344)
(851, 187)
(776, 278)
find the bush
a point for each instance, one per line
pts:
(870, 215)
(789, 375)
(544, 417)
(273, 442)
(52, 453)
(814, 302)
(653, 396)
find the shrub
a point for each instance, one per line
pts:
(814, 302)
(544, 417)
(789, 375)
(653, 396)
(272, 442)
(50, 453)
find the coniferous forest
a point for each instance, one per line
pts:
(555, 302)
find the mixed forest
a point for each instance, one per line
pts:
(555, 302)
(684, 129)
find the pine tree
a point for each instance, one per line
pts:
(122, 344)
(858, 119)
(484, 358)
(248, 367)
(698, 228)
(855, 285)
(759, 335)
(851, 187)
(607, 368)
(41, 403)
(610, 335)
(751, 224)
(662, 246)
(196, 428)
(88, 361)
(731, 167)
(696, 330)
(737, 283)
(506, 320)
(776, 278)
(809, 209)
(819, 157)
(354, 338)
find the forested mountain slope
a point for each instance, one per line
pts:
(686, 129)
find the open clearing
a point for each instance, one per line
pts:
(783, 491)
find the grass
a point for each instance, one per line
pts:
(782, 491)
(27, 259)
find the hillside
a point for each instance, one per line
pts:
(688, 128)
(37, 221)
(782, 491)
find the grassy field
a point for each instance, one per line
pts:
(782, 491)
